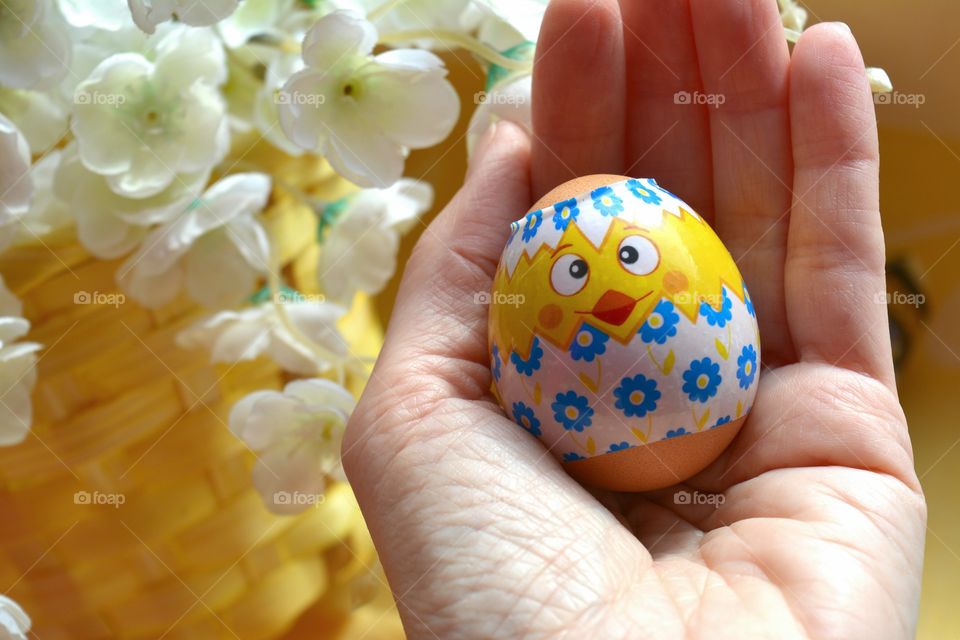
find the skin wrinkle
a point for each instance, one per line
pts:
(799, 619)
(832, 395)
(560, 552)
(879, 520)
(452, 489)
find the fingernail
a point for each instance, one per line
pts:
(841, 26)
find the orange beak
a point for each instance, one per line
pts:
(614, 307)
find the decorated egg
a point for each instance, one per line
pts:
(622, 334)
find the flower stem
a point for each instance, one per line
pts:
(273, 283)
(461, 40)
(792, 35)
(379, 11)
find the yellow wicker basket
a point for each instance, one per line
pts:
(120, 410)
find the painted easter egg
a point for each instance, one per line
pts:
(622, 334)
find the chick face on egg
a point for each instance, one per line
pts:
(621, 333)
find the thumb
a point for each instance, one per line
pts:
(435, 347)
(440, 308)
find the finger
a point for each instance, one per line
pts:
(821, 417)
(667, 138)
(834, 276)
(744, 64)
(440, 306)
(578, 95)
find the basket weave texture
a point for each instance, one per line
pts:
(120, 409)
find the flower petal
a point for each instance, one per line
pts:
(414, 107)
(16, 185)
(336, 37)
(216, 274)
(320, 392)
(362, 154)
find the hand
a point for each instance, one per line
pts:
(480, 531)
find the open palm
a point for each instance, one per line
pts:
(820, 530)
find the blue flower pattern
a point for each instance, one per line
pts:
(721, 421)
(588, 343)
(564, 213)
(636, 395)
(747, 366)
(572, 410)
(643, 193)
(533, 220)
(524, 416)
(532, 363)
(660, 324)
(606, 202)
(701, 380)
(718, 318)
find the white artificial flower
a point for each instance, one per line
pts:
(879, 80)
(35, 45)
(142, 122)
(793, 16)
(47, 212)
(232, 336)
(217, 249)
(109, 225)
(365, 112)
(525, 16)
(418, 15)
(252, 18)
(265, 113)
(17, 374)
(14, 622)
(509, 100)
(197, 13)
(16, 184)
(359, 249)
(109, 15)
(297, 435)
(40, 116)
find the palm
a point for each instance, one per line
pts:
(820, 531)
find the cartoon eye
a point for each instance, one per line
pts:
(569, 274)
(638, 255)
